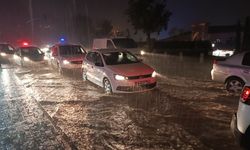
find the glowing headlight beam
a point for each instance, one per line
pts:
(3, 54)
(66, 62)
(142, 52)
(26, 59)
(154, 74)
(119, 77)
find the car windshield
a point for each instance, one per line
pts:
(6, 47)
(71, 50)
(117, 58)
(31, 51)
(124, 43)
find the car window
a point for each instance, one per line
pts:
(97, 58)
(71, 50)
(110, 44)
(116, 58)
(31, 51)
(90, 57)
(246, 60)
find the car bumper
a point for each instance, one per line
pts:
(72, 66)
(34, 63)
(237, 134)
(218, 76)
(133, 86)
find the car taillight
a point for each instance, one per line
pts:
(245, 96)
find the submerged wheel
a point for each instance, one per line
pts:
(107, 86)
(234, 85)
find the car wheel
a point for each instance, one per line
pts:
(234, 85)
(107, 86)
(84, 75)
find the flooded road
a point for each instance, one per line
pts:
(182, 113)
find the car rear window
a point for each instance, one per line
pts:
(71, 50)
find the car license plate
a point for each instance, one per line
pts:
(140, 83)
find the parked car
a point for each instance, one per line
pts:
(233, 71)
(6, 52)
(117, 43)
(67, 56)
(240, 124)
(222, 53)
(118, 71)
(29, 56)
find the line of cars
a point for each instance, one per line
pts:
(115, 70)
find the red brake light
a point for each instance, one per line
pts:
(25, 43)
(245, 96)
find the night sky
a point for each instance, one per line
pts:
(14, 14)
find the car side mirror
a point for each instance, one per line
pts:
(98, 64)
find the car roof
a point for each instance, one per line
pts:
(67, 45)
(108, 50)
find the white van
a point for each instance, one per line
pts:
(117, 43)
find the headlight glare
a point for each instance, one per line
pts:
(142, 52)
(3, 54)
(119, 77)
(66, 62)
(154, 74)
(26, 59)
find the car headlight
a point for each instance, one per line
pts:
(15, 56)
(45, 58)
(3, 54)
(142, 52)
(154, 74)
(119, 77)
(26, 59)
(66, 62)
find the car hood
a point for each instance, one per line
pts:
(73, 57)
(128, 70)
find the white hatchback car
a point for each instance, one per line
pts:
(240, 123)
(118, 71)
(233, 71)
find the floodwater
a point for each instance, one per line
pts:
(186, 111)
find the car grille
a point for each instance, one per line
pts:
(76, 62)
(139, 77)
(136, 88)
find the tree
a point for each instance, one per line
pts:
(104, 28)
(83, 28)
(148, 15)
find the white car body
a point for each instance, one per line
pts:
(233, 70)
(138, 76)
(23, 59)
(113, 43)
(222, 53)
(240, 124)
(70, 60)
